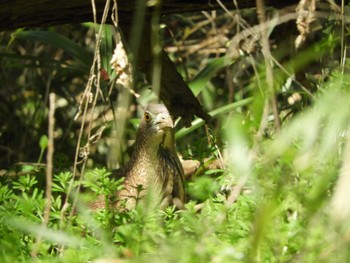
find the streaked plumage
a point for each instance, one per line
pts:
(154, 165)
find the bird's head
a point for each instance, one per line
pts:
(157, 125)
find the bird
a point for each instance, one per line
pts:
(154, 171)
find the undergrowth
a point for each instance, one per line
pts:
(280, 215)
(272, 199)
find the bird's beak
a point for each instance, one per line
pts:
(163, 121)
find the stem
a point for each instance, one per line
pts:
(260, 9)
(49, 168)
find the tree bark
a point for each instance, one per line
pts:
(43, 13)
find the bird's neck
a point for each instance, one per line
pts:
(152, 153)
(147, 154)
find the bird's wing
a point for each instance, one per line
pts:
(178, 185)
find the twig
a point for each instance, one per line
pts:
(260, 9)
(31, 164)
(49, 156)
(89, 99)
(263, 122)
(88, 89)
(49, 160)
(236, 190)
(255, 30)
(342, 49)
(294, 80)
(156, 48)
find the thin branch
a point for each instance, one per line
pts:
(277, 63)
(89, 100)
(263, 123)
(49, 160)
(342, 49)
(157, 47)
(255, 30)
(260, 9)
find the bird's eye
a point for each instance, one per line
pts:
(147, 117)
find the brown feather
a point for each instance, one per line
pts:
(154, 167)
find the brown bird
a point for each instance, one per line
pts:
(154, 171)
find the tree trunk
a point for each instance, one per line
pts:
(42, 13)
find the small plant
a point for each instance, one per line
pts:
(283, 148)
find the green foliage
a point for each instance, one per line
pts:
(82, 57)
(270, 202)
(202, 188)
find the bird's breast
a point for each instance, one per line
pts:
(155, 174)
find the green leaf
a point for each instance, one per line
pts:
(43, 145)
(199, 81)
(76, 51)
(15, 60)
(107, 43)
(43, 142)
(52, 235)
(222, 110)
